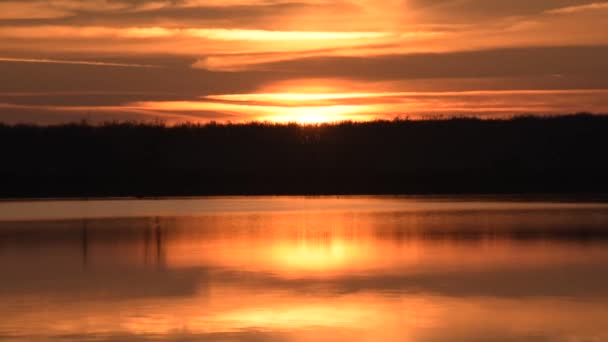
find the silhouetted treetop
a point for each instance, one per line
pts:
(461, 155)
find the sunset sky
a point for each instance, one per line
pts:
(299, 60)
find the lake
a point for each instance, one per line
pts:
(304, 269)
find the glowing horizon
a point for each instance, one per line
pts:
(329, 106)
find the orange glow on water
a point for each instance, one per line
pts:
(322, 269)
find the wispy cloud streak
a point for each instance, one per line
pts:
(580, 8)
(60, 61)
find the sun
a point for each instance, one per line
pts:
(305, 102)
(309, 102)
(315, 114)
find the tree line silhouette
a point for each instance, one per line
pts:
(561, 154)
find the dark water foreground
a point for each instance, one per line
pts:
(524, 155)
(304, 269)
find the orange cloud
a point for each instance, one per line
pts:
(245, 52)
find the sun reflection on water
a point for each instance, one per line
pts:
(449, 273)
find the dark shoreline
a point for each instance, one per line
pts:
(531, 198)
(562, 155)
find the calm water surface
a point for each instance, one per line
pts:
(304, 269)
